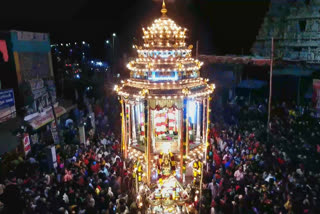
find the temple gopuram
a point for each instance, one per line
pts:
(165, 118)
(295, 27)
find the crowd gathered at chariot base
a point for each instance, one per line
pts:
(250, 170)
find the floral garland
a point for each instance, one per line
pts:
(184, 162)
(196, 170)
(172, 164)
(158, 107)
(137, 171)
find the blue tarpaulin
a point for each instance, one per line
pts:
(252, 84)
(294, 71)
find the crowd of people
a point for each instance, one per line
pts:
(88, 178)
(252, 171)
(249, 170)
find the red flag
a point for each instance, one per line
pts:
(4, 50)
(239, 138)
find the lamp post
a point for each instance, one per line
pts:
(53, 111)
(270, 89)
(107, 45)
(113, 37)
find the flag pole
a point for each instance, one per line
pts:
(270, 89)
(197, 50)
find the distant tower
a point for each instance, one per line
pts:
(295, 26)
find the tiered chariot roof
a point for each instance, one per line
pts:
(164, 68)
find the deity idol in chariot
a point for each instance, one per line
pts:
(166, 166)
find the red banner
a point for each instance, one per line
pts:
(26, 144)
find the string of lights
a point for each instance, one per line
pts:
(161, 110)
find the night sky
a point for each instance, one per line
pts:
(221, 26)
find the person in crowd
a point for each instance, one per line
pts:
(250, 171)
(87, 179)
(257, 173)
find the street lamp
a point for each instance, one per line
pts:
(113, 36)
(107, 41)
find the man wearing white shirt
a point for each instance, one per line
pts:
(213, 186)
(114, 159)
(238, 174)
(223, 146)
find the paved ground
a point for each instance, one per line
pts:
(8, 141)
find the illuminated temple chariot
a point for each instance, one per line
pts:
(165, 112)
